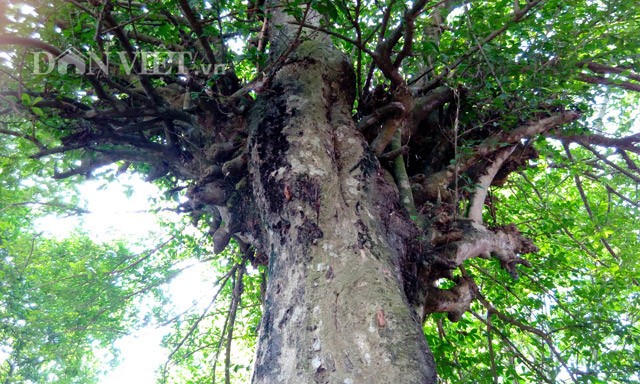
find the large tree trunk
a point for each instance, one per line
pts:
(335, 309)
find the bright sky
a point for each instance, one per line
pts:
(114, 215)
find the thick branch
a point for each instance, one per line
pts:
(173, 114)
(484, 182)
(506, 244)
(599, 80)
(377, 115)
(110, 156)
(401, 177)
(423, 106)
(442, 179)
(626, 143)
(454, 302)
(197, 28)
(605, 69)
(28, 42)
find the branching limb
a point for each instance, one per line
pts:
(401, 177)
(464, 240)
(29, 42)
(424, 105)
(384, 137)
(379, 114)
(587, 206)
(68, 208)
(628, 143)
(440, 180)
(391, 155)
(197, 28)
(505, 243)
(607, 69)
(110, 156)
(454, 302)
(600, 80)
(484, 182)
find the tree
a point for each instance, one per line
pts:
(357, 151)
(63, 301)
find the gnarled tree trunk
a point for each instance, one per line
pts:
(335, 309)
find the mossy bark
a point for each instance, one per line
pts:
(335, 233)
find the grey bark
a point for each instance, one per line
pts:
(335, 308)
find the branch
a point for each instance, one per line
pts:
(378, 114)
(484, 182)
(605, 69)
(382, 54)
(391, 155)
(233, 310)
(109, 156)
(401, 177)
(197, 28)
(29, 42)
(54, 204)
(534, 366)
(25, 136)
(454, 302)
(384, 137)
(222, 281)
(329, 32)
(145, 82)
(625, 143)
(612, 164)
(35, 43)
(544, 336)
(517, 16)
(504, 243)
(409, 30)
(169, 113)
(630, 163)
(423, 106)
(585, 201)
(83, 8)
(599, 80)
(440, 180)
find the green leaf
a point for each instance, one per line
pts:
(26, 99)
(37, 111)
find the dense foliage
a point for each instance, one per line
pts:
(481, 69)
